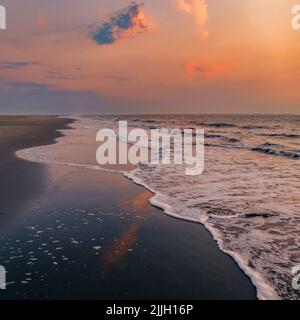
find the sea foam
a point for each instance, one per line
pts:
(248, 201)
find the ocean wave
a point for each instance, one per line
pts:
(271, 149)
(242, 229)
(241, 199)
(170, 208)
(31, 155)
(217, 125)
(253, 127)
(281, 135)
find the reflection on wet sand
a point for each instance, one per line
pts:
(22, 182)
(116, 253)
(94, 235)
(136, 204)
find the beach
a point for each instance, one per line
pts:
(241, 198)
(69, 232)
(20, 180)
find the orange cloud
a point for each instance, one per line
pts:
(207, 70)
(41, 21)
(197, 8)
(126, 23)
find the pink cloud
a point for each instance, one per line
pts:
(206, 70)
(196, 8)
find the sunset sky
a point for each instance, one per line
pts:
(155, 56)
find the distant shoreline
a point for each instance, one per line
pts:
(17, 176)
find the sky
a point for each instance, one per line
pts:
(151, 56)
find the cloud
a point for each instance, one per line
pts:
(118, 78)
(17, 64)
(29, 86)
(122, 24)
(41, 22)
(207, 70)
(60, 74)
(197, 8)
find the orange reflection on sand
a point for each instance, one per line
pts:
(137, 203)
(116, 253)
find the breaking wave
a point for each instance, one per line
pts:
(248, 201)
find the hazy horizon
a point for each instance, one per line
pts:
(147, 114)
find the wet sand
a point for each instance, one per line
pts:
(20, 180)
(77, 234)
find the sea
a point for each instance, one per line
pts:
(248, 196)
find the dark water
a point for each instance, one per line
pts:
(95, 236)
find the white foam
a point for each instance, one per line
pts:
(264, 291)
(235, 183)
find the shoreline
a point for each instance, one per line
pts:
(18, 176)
(262, 290)
(41, 134)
